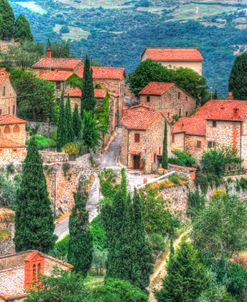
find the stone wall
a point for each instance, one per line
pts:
(7, 230)
(42, 128)
(13, 156)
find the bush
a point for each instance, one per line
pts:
(201, 182)
(60, 249)
(71, 149)
(175, 179)
(44, 142)
(196, 202)
(182, 159)
(98, 232)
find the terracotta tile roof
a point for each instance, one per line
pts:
(156, 88)
(140, 117)
(8, 119)
(7, 143)
(3, 76)
(173, 54)
(190, 126)
(57, 63)
(76, 93)
(232, 110)
(102, 72)
(56, 75)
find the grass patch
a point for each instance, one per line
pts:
(44, 142)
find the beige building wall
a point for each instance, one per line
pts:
(7, 98)
(174, 102)
(16, 133)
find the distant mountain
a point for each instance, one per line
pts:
(116, 32)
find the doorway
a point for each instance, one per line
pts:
(137, 162)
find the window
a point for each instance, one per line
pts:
(16, 129)
(1, 111)
(34, 272)
(8, 110)
(4, 90)
(180, 112)
(137, 137)
(186, 98)
(155, 156)
(168, 114)
(39, 269)
(179, 95)
(6, 129)
(159, 150)
(58, 85)
(211, 144)
(14, 110)
(214, 124)
(198, 144)
(148, 99)
(187, 113)
(173, 138)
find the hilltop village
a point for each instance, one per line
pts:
(118, 187)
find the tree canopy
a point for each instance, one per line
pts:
(7, 20)
(22, 29)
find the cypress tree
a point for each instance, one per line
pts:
(142, 264)
(33, 221)
(103, 113)
(165, 149)
(186, 276)
(68, 121)
(80, 252)
(22, 29)
(61, 129)
(8, 20)
(238, 78)
(88, 100)
(76, 123)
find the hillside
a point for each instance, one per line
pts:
(116, 32)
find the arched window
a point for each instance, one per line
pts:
(34, 272)
(39, 269)
(16, 129)
(6, 129)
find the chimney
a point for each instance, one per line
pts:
(48, 53)
(230, 96)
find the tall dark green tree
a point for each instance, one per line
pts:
(61, 129)
(34, 221)
(103, 113)
(80, 252)
(165, 149)
(88, 100)
(68, 121)
(238, 78)
(187, 276)
(7, 19)
(76, 122)
(22, 29)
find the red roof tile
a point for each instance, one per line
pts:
(57, 63)
(156, 88)
(233, 110)
(140, 117)
(173, 54)
(8, 119)
(102, 72)
(76, 93)
(56, 75)
(190, 126)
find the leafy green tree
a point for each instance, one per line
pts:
(35, 97)
(220, 229)
(61, 129)
(76, 123)
(216, 294)
(148, 71)
(90, 131)
(59, 49)
(34, 220)
(60, 286)
(8, 190)
(182, 158)
(238, 78)
(103, 113)
(68, 122)
(22, 29)
(22, 56)
(186, 276)
(88, 101)
(7, 20)
(80, 253)
(165, 149)
(196, 202)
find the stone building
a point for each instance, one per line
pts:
(217, 123)
(175, 57)
(19, 271)
(7, 94)
(167, 98)
(12, 139)
(142, 138)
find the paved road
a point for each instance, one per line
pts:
(111, 157)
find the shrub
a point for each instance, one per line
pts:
(182, 159)
(196, 202)
(202, 182)
(175, 179)
(71, 149)
(60, 249)
(98, 232)
(44, 142)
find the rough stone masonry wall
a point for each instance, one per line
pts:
(42, 128)
(7, 246)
